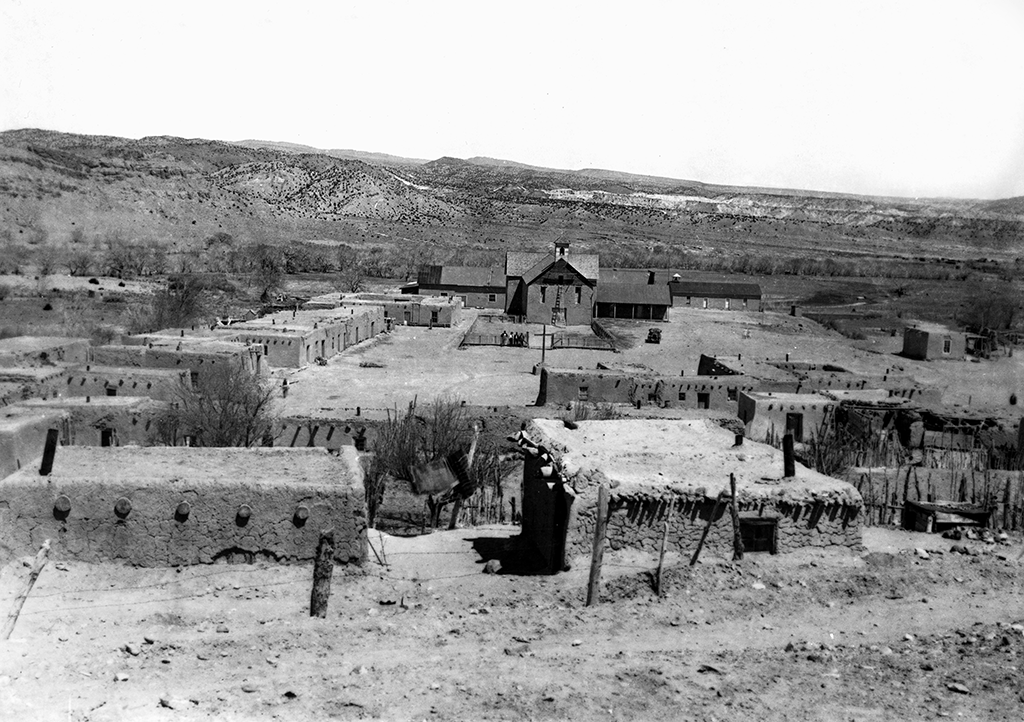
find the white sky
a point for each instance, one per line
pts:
(902, 97)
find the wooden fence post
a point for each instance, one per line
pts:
(593, 587)
(19, 601)
(323, 567)
(658, 589)
(737, 538)
(707, 528)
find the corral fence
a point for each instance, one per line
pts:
(564, 340)
(884, 490)
(496, 339)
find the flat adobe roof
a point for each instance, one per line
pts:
(162, 465)
(688, 457)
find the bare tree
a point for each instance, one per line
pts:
(227, 406)
(994, 306)
(266, 274)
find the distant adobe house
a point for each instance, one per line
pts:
(722, 295)
(930, 345)
(476, 287)
(557, 288)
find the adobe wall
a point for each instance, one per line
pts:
(640, 524)
(420, 314)
(42, 351)
(722, 393)
(562, 386)
(280, 349)
(168, 357)
(324, 434)
(717, 304)
(154, 534)
(23, 435)
(768, 422)
(99, 381)
(129, 419)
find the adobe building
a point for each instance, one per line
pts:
(640, 388)
(768, 416)
(294, 339)
(34, 351)
(406, 310)
(552, 288)
(168, 506)
(673, 471)
(474, 286)
(95, 381)
(720, 295)
(103, 420)
(179, 350)
(934, 344)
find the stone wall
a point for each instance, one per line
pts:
(175, 506)
(637, 523)
(43, 351)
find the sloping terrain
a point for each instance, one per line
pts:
(167, 188)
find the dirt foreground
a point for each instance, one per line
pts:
(876, 635)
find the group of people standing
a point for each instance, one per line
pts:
(514, 339)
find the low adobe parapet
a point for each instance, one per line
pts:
(166, 506)
(42, 350)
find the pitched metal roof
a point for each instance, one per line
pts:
(519, 264)
(470, 276)
(634, 293)
(715, 289)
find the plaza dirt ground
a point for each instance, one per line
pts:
(876, 634)
(414, 362)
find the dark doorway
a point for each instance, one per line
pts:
(111, 391)
(703, 400)
(795, 426)
(106, 437)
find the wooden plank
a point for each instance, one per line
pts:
(600, 527)
(19, 601)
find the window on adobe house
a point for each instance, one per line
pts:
(579, 295)
(947, 345)
(744, 304)
(543, 294)
(703, 400)
(682, 396)
(111, 391)
(584, 394)
(758, 535)
(728, 304)
(492, 297)
(705, 303)
(731, 393)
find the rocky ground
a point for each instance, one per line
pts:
(884, 633)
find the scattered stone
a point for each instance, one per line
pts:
(757, 585)
(289, 696)
(493, 566)
(249, 688)
(908, 637)
(222, 629)
(173, 702)
(577, 642)
(958, 688)
(790, 647)
(360, 670)
(927, 666)
(921, 553)
(886, 651)
(132, 649)
(148, 639)
(61, 566)
(120, 677)
(435, 685)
